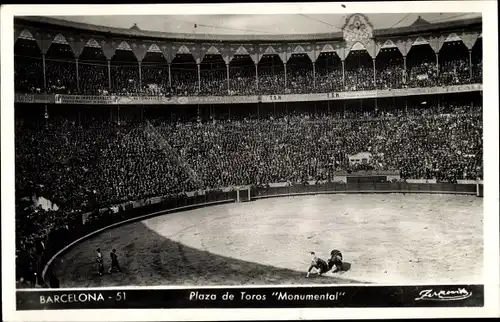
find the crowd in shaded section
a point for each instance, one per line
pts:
(274, 77)
(83, 166)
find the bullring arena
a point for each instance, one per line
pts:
(227, 159)
(388, 238)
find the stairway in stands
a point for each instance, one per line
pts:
(164, 144)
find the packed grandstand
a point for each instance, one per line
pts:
(104, 117)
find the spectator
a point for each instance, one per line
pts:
(125, 80)
(242, 81)
(423, 74)
(185, 82)
(93, 79)
(359, 79)
(390, 74)
(454, 72)
(61, 77)
(28, 75)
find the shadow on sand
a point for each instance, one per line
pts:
(346, 266)
(149, 259)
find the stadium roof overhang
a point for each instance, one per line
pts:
(48, 22)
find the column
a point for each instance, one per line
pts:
(140, 75)
(169, 76)
(314, 74)
(374, 74)
(109, 75)
(44, 75)
(470, 64)
(437, 63)
(286, 83)
(77, 76)
(405, 73)
(199, 76)
(227, 74)
(257, 75)
(343, 73)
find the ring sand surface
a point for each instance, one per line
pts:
(386, 238)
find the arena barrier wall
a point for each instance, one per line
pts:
(58, 242)
(358, 186)
(480, 190)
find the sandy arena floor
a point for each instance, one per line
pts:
(392, 238)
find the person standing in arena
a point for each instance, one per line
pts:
(320, 265)
(100, 262)
(115, 267)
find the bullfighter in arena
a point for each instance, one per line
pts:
(317, 263)
(115, 267)
(100, 263)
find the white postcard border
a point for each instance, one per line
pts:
(491, 207)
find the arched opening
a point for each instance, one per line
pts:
(299, 74)
(454, 66)
(28, 67)
(93, 71)
(124, 71)
(359, 70)
(389, 66)
(184, 75)
(60, 68)
(271, 75)
(213, 75)
(155, 79)
(328, 72)
(242, 79)
(421, 66)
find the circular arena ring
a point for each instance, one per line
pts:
(390, 238)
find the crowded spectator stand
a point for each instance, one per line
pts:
(74, 65)
(85, 165)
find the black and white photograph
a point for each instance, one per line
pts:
(222, 158)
